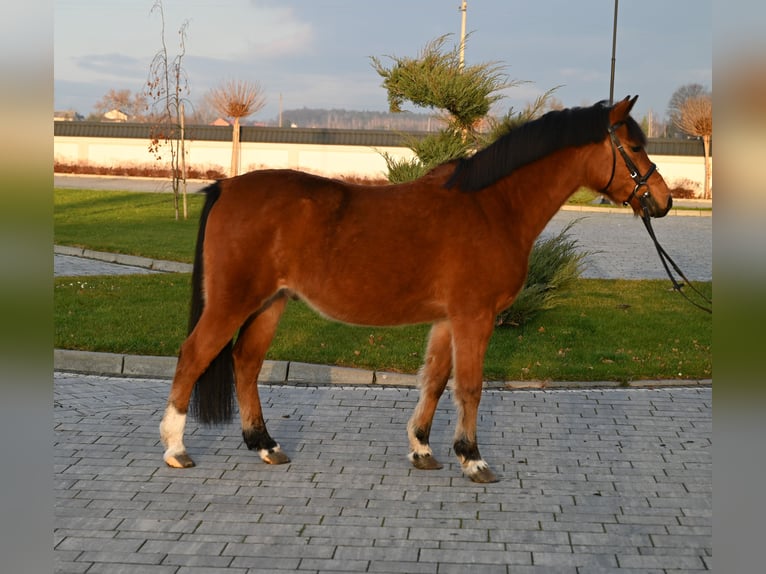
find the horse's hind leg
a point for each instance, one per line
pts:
(206, 340)
(470, 340)
(253, 342)
(434, 377)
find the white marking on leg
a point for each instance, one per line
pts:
(474, 466)
(419, 450)
(172, 433)
(265, 452)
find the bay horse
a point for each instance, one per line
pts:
(450, 248)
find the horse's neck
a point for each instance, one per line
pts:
(532, 195)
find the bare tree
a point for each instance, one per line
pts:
(696, 119)
(677, 101)
(166, 86)
(134, 105)
(236, 99)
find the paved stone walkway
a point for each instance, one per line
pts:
(619, 247)
(71, 266)
(591, 481)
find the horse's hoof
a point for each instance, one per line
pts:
(180, 460)
(425, 461)
(274, 456)
(479, 471)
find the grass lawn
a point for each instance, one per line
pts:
(125, 222)
(606, 330)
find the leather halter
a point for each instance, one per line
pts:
(635, 174)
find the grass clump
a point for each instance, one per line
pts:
(555, 264)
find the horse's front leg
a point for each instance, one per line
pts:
(253, 342)
(433, 380)
(470, 340)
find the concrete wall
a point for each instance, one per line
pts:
(683, 171)
(330, 160)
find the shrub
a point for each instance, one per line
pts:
(134, 170)
(554, 265)
(684, 189)
(403, 170)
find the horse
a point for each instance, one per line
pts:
(450, 249)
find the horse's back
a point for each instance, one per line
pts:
(362, 254)
(304, 201)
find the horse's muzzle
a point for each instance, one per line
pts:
(650, 204)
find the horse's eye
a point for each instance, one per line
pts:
(635, 148)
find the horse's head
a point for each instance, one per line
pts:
(635, 180)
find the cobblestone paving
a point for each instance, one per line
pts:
(591, 481)
(71, 266)
(620, 248)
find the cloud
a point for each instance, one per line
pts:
(281, 34)
(257, 33)
(112, 66)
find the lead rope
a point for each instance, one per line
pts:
(665, 258)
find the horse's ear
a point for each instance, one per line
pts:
(621, 109)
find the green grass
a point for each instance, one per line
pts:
(606, 330)
(582, 196)
(125, 222)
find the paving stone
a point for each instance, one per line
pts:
(680, 562)
(582, 560)
(112, 568)
(593, 487)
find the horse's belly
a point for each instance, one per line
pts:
(371, 307)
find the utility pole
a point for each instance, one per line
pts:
(614, 50)
(463, 8)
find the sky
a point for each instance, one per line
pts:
(316, 53)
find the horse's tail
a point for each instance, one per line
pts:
(212, 400)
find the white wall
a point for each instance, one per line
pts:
(329, 160)
(683, 171)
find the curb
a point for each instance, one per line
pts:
(119, 258)
(305, 374)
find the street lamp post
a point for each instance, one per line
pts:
(614, 49)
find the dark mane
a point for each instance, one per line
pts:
(533, 140)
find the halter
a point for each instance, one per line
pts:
(635, 174)
(641, 181)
